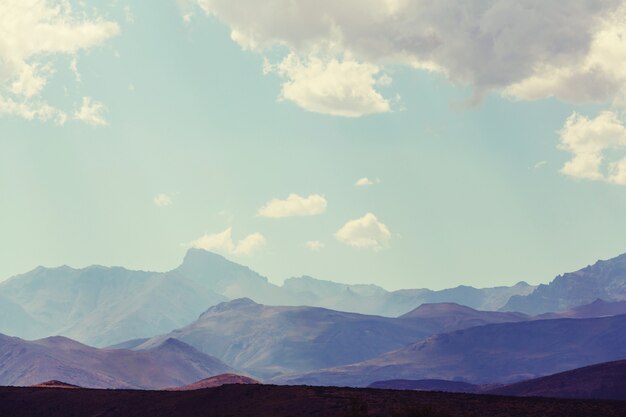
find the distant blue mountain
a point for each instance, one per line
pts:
(103, 306)
(604, 280)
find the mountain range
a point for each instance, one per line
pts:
(268, 341)
(102, 306)
(604, 280)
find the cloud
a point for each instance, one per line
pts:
(223, 242)
(526, 49)
(331, 87)
(540, 164)
(364, 182)
(91, 112)
(294, 205)
(314, 245)
(33, 33)
(163, 200)
(594, 144)
(365, 232)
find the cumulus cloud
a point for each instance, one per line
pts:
(527, 49)
(294, 205)
(32, 33)
(365, 232)
(594, 144)
(223, 242)
(332, 87)
(314, 245)
(162, 200)
(91, 112)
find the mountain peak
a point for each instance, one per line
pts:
(236, 304)
(436, 309)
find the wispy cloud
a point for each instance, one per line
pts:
(33, 34)
(91, 112)
(314, 245)
(163, 200)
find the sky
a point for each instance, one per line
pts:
(407, 144)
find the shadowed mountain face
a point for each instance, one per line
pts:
(103, 306)
(605, 381)
(495, 353)
(599, 308)
(604, 280)
(269, 341)
(171, 363)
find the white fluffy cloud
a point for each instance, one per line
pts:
(162, 200)
(594, 143)
(294, 205)
(314, 245)
(365, 232)
(32, 32)
(223, 242)
(344, 88)
(527, 49)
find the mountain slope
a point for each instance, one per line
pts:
(495, 353)
(598, 308)
(269, 341)
(171, 363)
(15, 320)
(604, 280)
(447, 317)
(102, 306)
(605, 381)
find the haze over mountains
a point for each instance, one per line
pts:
(195, 322)
(102, 306)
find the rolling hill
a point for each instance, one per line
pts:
(268, 341)
(171, 363)
(494, 353)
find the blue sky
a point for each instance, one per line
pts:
(190, 131)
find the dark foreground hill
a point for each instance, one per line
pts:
(277, 401)
(603, 381)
